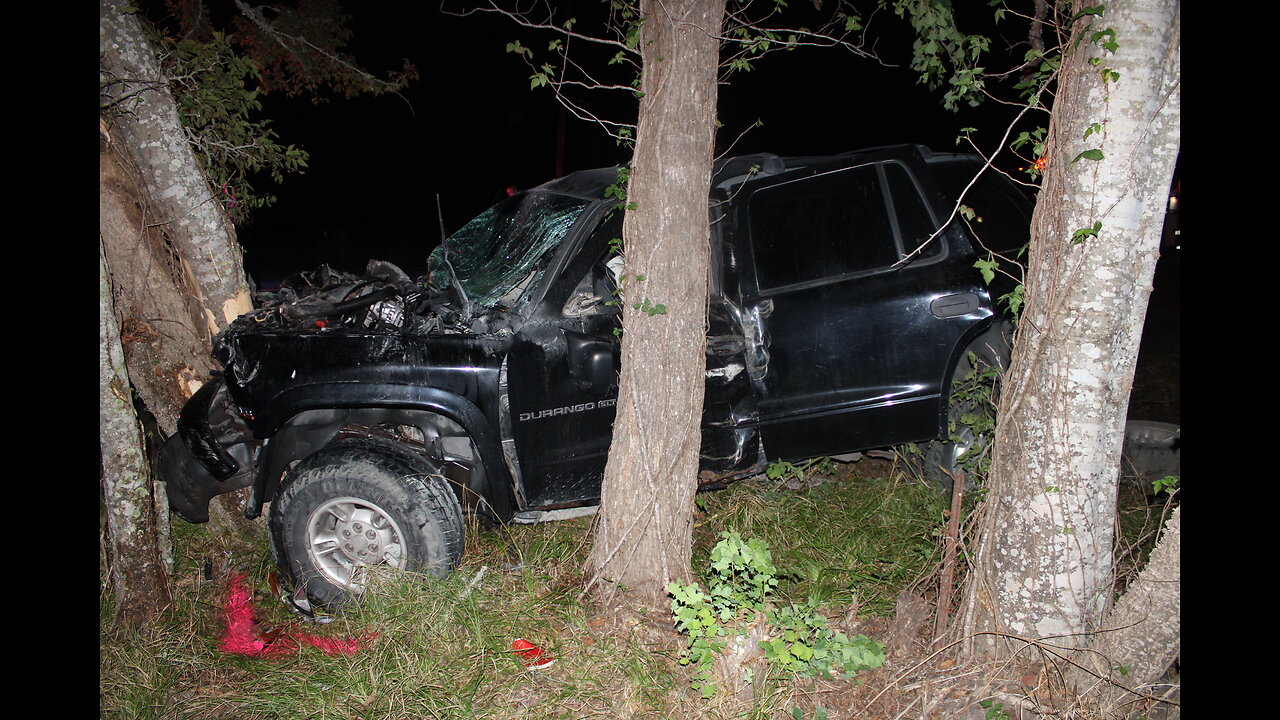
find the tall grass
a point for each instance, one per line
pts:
(443, 647)
(865, 539)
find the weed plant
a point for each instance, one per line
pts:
(845, 539)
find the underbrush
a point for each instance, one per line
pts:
(1140, 517)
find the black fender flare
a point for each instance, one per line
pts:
(993, 345)
(317, 412)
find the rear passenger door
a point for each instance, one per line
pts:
(849, 339)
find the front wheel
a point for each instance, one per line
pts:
(361, 503)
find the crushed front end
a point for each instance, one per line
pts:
(212, 453)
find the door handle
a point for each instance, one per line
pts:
(955, 305)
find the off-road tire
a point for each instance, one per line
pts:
(940, 460)
(365, 496)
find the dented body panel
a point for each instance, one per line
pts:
(828, 333)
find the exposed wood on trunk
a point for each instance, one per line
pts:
(146, 124)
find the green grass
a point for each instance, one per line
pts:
(443, 646)
(869, 537)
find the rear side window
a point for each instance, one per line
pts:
(820, 227)
(915, 222)
(1002, 215)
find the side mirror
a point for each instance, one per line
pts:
(591, 364)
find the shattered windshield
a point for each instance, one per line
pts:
(494, 255)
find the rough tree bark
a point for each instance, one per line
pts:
(643, 534)
(173, 276)
(1044, 554)
(163, 330)
(1143, 631)
(146, 123)
(139, 578)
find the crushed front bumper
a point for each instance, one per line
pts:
(189, 484)
(211, 454)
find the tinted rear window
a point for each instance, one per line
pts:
(1002, 219)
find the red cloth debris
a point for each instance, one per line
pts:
(242, 636)
(535, 658)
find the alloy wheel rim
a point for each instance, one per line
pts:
(346, 535)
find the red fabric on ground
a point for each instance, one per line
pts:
(242, 636)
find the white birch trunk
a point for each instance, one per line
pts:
(1043, 562)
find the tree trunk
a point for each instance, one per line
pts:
(1144, 634)
(164, 335)
(145, 120)
(1044, 554)
(173, 264)
(138, 575)
(643, 535)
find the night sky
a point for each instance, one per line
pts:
(471, 127)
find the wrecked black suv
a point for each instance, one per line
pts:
(372, 411)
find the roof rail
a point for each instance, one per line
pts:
(728, 169)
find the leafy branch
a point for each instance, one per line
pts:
(750, 31)
(210, 83)
(298, 51)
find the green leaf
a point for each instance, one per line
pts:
(987, 268)
(1083, 234)
(1014, 299)
(1168, 483)
(1094, 154)
(1094, 10)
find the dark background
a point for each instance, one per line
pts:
(471, 126)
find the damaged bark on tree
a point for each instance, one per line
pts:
(163, 331)
(172, 277)
(173, 266)
(146, 124)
